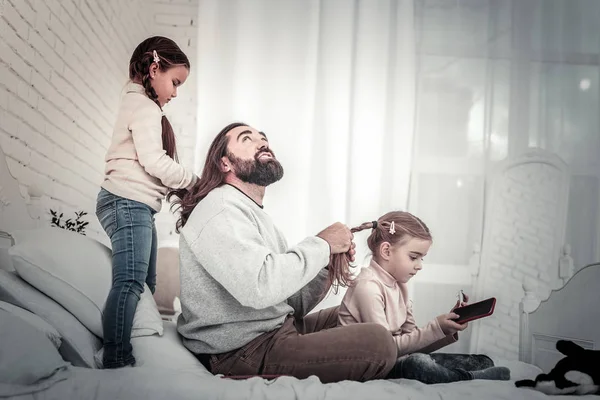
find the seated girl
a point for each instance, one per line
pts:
(398, 242)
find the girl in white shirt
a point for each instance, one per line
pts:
(141, 166)
(399, 241)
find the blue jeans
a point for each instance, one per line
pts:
(439, 367)
(130, 226)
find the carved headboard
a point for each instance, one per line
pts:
(570, 313)
(524, 231)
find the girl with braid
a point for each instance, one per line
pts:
(379, 294)
(141, 166)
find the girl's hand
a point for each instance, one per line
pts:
(448, 325)
(461, 303)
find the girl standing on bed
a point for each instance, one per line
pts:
(141, 166)
(379, 294)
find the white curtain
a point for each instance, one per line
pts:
(496, 77)
(332, 85)
(375, 105)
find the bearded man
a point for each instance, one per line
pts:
(246, 295)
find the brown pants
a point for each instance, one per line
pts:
(314, 346)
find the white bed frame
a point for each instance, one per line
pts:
(571, 312)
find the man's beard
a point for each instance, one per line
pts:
(255, 171)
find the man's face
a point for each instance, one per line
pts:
(250, 158)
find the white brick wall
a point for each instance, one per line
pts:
(522, 244)
(62, 67)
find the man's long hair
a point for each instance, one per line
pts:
(211, 178)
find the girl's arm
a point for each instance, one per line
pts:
(410, 326)
(365, 301)
(146, 129)
(307, 298)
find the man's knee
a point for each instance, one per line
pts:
(380, 343)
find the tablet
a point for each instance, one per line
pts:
(475, 311)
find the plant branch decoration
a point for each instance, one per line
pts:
(75, 225)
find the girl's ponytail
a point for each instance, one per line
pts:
(339, 265)
(168, 136)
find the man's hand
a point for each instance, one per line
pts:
(450, 327)
(350, 254)
(339, 238)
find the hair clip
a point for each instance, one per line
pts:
(156, 58)
(392, 228)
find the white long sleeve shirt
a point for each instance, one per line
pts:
(137, 166)
(377, 297)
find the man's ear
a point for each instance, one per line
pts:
(225, 166)
(384, 250)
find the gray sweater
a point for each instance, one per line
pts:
(239, 279)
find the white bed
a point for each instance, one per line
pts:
(166, 370)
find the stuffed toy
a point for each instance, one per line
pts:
(577, 373)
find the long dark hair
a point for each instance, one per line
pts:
(406, 226)
(170, 55)
(212, 177)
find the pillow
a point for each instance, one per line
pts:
(73, 270)
(146, 320)
(167, 279)
(78, 344)
(34, 321)
(165, 351)
(30, 362)
(5, 262)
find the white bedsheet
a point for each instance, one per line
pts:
(152, 383)
(168, 371)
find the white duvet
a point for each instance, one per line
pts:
(152, 383)
(167, 371)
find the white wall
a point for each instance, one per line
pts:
(62, 67)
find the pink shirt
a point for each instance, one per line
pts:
(377, 297)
